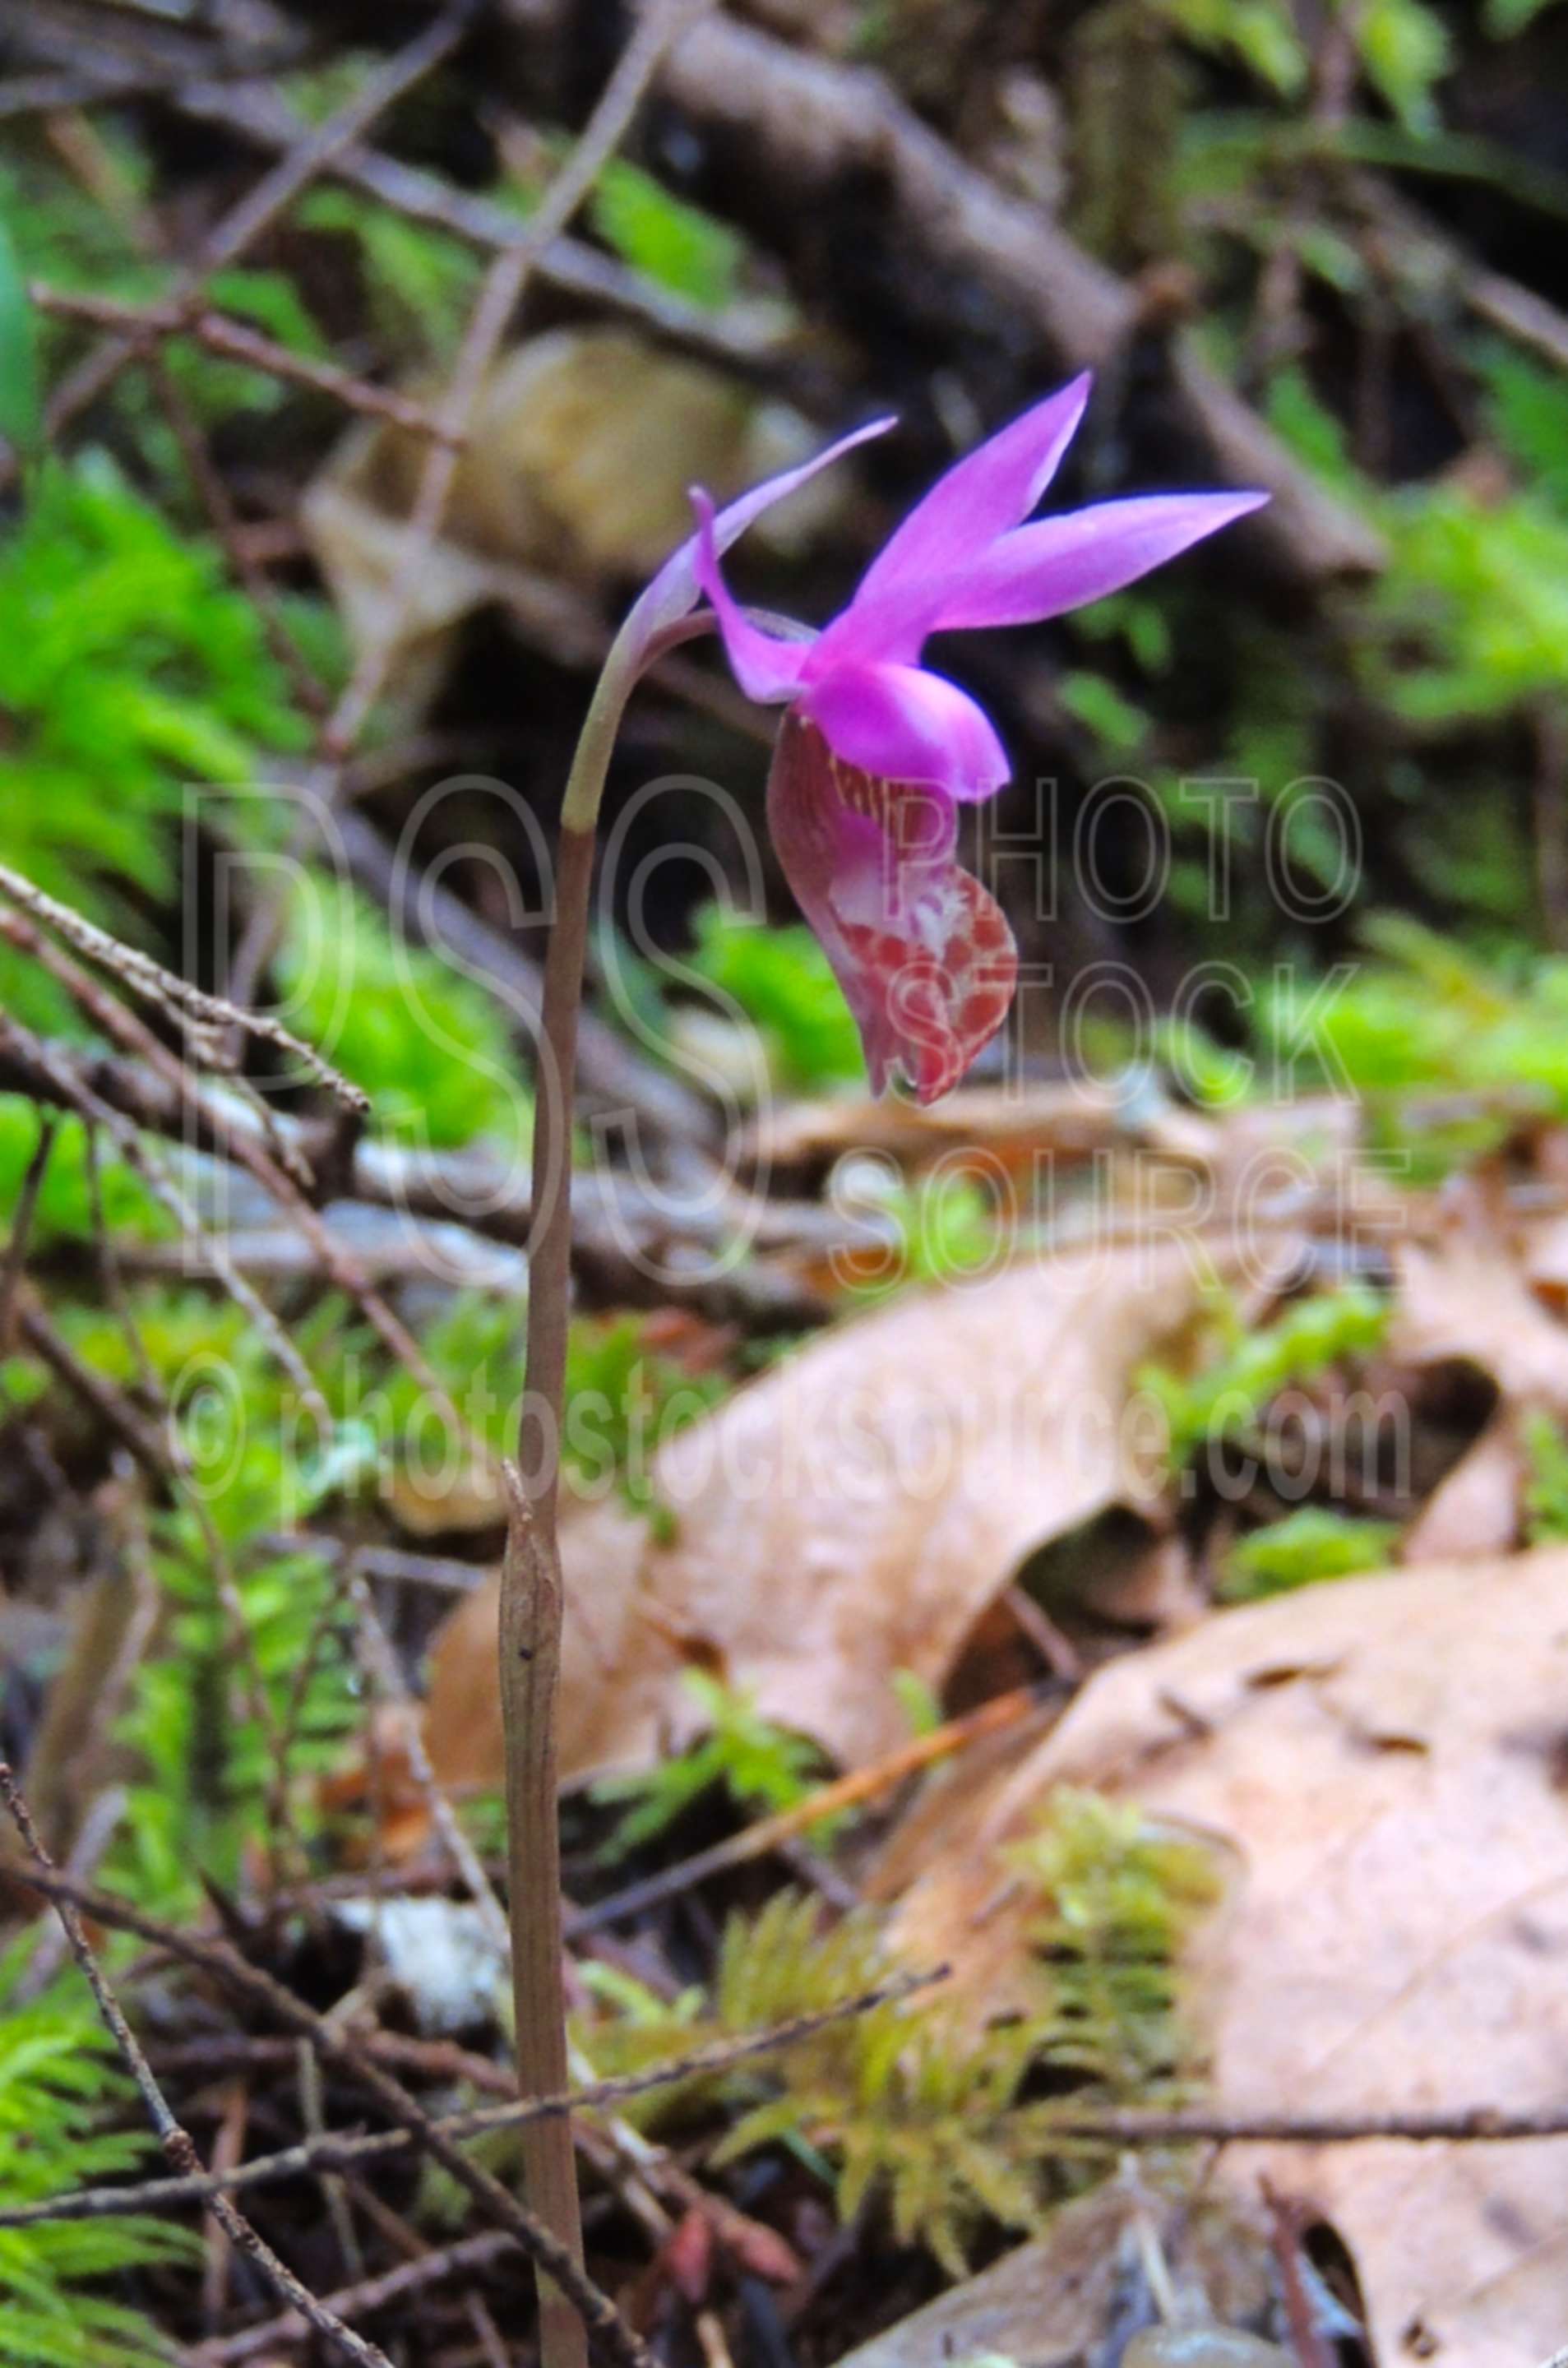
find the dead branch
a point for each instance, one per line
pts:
(252, 1152)
(29, 1051)
(172, 2137)
(767, 1834)
(172, 995)
(1472, 2124)
(612, 117)
(336, 2152)
(631, 1243)
(262, 117)
(807, 123)
(147, 325)
(366, 2296)
(270, 197)
(222, 1963)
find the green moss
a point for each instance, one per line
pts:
(132, 679)
(431, 1049)
(64, 1210)
(781, 982)
(1426, 1018)
(1312, 1543)
(1245, 1369)
(920, 2108)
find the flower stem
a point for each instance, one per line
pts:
(531, 1594)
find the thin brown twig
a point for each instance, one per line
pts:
(343, 2153)
(262, 203)
(172, 2137)
(19, 1044)
(623, 1235)
(861, 1785)
(335, 2189)
(366, 2296)
(498, 300)
(607, 128)
(223, 1963)
(45, 94)
(22, 1224)
(496, 2353)
(1471, 2124)
(809, 123)
(148, 327)
(149, 982)
(264, 118)
(143, 1440)
(342, 729)
(219, 1126)
(213, 495)
(1289, 2223)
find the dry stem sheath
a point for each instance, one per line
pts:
(531, 1611)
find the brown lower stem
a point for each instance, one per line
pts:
(531, 1610)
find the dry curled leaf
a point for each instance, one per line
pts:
(1474, 1509)
(1468, 1304)
(1385, 1758)
(850, 1514)
(1064, 2299)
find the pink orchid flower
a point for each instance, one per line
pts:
(876, 752)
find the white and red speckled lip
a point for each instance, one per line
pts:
(922, 950)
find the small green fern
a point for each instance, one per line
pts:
(1119, 1891)
(60, 2098)
(761, 1766)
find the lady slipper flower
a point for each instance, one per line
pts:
(876, 752)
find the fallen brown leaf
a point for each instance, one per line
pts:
(1468, 1303)
(995, 1126)
(849, 1514)
(1059, 2300)
(1474, 1509)
(1386, 1756)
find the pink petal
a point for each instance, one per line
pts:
(1062, 563)
(923, 955)
(674, 591)
(990, 490)
(765, 668)
(906, 725)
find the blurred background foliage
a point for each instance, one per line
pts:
(1355, 212)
